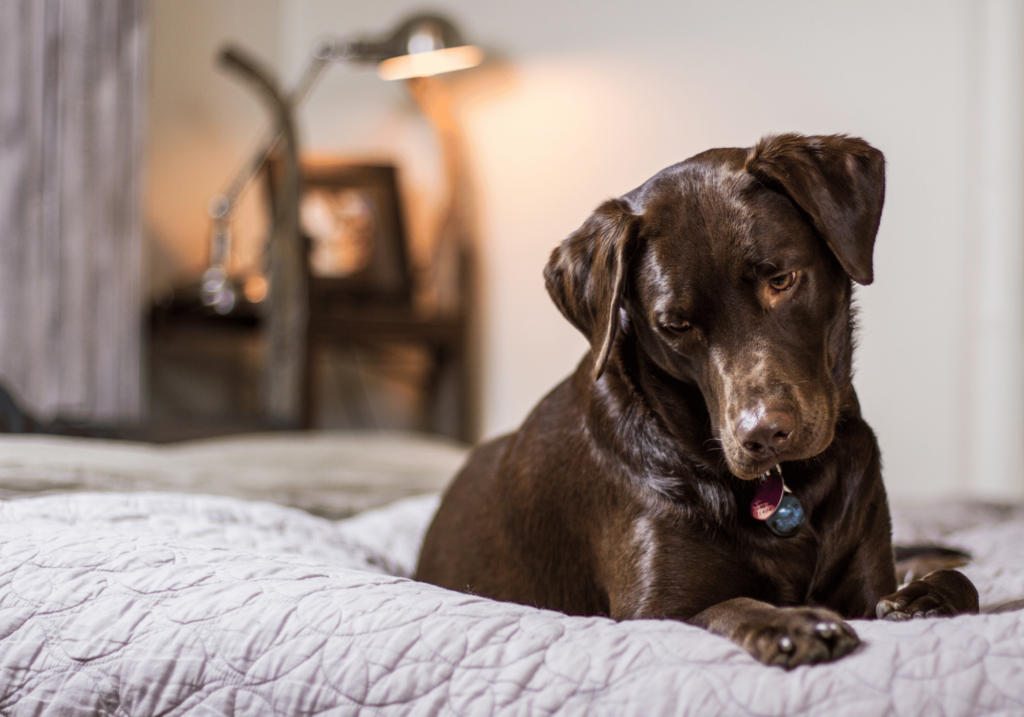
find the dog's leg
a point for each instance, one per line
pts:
(943, 592)
(783, 636)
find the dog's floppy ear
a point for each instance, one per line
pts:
(838, 181)
(586, 275)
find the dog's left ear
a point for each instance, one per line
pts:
(586, 275)
(838, 181)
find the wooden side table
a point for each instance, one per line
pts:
(446, 390)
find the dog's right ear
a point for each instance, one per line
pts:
(586, 275)
(838, 181)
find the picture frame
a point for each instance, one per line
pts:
(351, 217)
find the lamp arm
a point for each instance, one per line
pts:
(281, 106)
(288, 312)
(232, 58)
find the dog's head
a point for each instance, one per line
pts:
(732, 271)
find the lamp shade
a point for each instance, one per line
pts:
(422, 45)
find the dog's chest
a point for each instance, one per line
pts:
(741, 559)
(782, 570)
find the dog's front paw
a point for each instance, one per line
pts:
(943, 592)
(800, 636)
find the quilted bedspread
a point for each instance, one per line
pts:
(170, 604)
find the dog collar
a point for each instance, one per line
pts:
(776, 505)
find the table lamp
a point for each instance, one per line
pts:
(421, 46)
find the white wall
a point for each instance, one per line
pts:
(202, 122)
(582, 101)
(995, 334)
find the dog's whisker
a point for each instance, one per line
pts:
(716, 444)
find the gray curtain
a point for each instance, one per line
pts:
(72, 78)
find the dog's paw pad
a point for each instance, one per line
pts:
(938, 594)
(917, 600)
(826, 630)
(891, 610)
(801, 636)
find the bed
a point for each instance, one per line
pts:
(205, 578)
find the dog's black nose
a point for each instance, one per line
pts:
(764, 433)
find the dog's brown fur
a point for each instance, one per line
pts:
(716, 298)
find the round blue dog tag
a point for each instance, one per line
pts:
(788, 517)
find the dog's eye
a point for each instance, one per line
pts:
(782, 282)
(677, 327)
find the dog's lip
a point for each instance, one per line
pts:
(758, 469)
(772, 464)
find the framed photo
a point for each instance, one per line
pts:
(351, 217)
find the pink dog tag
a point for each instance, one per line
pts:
(768, 496)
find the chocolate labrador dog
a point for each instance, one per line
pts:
(707, 461)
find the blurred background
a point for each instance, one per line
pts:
(471, 178)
